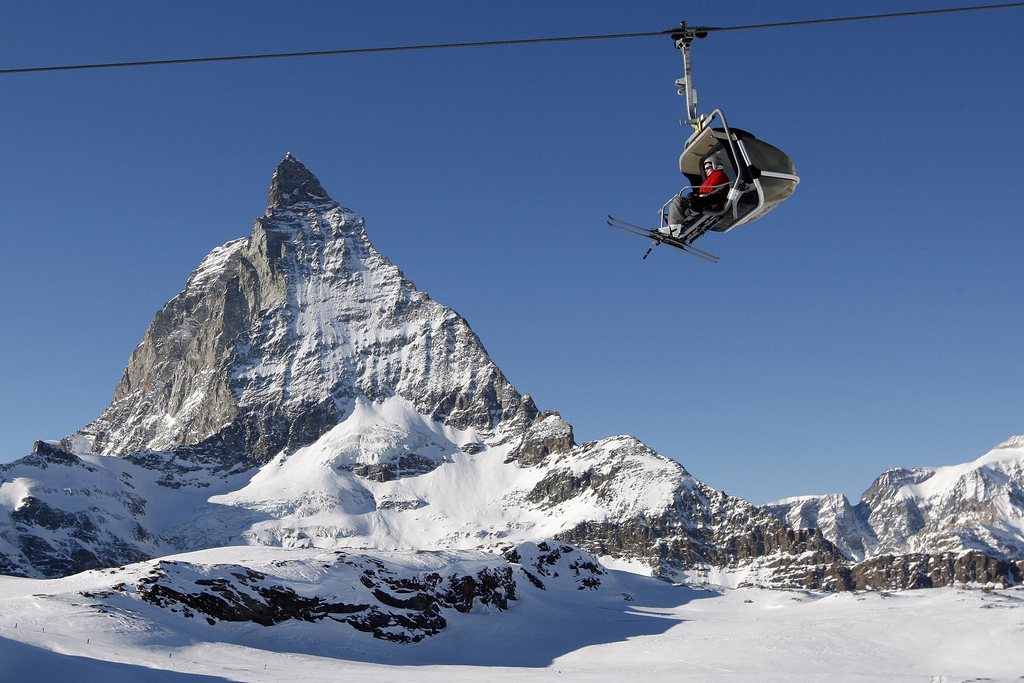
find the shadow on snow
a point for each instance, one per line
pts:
(24, 662)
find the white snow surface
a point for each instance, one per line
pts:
(632, 628)
(470, 500)
(312, 498)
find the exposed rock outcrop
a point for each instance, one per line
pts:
(927, 526)
(384, 596)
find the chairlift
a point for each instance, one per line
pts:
(761, 176)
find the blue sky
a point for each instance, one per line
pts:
(872, 321)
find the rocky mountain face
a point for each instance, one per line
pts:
(300, 393)
(275, 335)
(927, 523)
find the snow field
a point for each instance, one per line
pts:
(662, 632)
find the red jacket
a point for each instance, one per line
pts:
(717, 181)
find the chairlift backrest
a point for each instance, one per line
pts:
(698, 147)
(705, 143)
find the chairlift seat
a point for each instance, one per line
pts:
(762, 176)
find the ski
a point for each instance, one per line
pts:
(660, 238)
(684, 239)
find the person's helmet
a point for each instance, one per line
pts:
(714, 161)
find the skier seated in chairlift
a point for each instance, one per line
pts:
(711, 194)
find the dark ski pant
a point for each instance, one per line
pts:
(682, 208)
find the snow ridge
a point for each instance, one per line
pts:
(974, 506)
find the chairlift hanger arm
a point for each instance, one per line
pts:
(683, 37)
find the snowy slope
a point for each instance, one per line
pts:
(325, 495)
(96, 626)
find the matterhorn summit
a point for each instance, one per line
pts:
(277, 336)
(299, 395)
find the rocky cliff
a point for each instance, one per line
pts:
(916, 527)
(276, 335)
(975, 506)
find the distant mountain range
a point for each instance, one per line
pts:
(301, 393)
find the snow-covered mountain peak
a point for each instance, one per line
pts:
(293, 184)
(1012, 442)
(974, 506)
(973, 479)
(276, 336)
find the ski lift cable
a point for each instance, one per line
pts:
(492, 43)
(865, 17)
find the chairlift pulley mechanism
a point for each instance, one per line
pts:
(683, 38)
